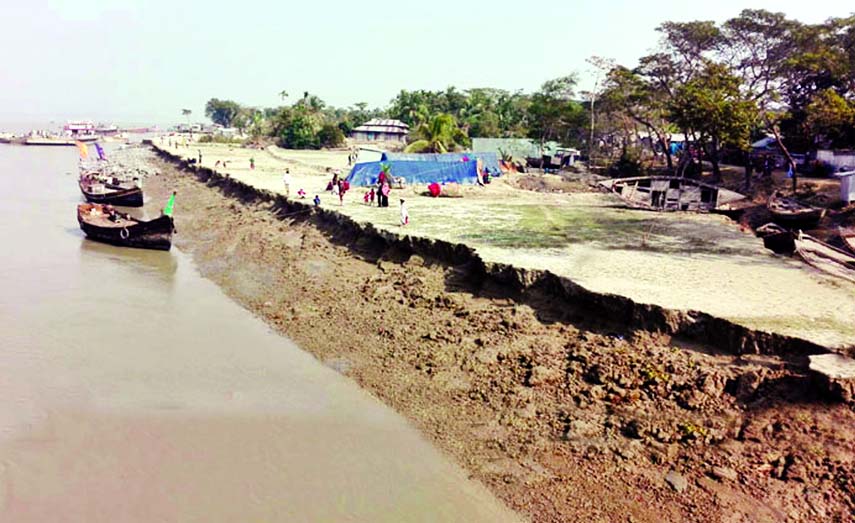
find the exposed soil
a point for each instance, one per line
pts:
(565, 416)
(564, 183)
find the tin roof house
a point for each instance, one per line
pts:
(379, 130)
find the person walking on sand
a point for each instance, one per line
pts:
(385, 189)
(405, 214)
(200, 157)
(252, 163)
(317, 201)
(286, 181)
(336, 190)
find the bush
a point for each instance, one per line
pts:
(216, 138)
(330, 135)
(298, 132)
(629, 163)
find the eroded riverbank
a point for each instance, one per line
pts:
(567, 416)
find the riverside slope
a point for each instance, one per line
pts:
(567, 414)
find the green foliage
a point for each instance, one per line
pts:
(298, 130)
(439, 135)
(483, 112)
(554, 115)
(629, 163)
(215, 138)
(330, 136)
(830, 117)
(713, 105)
(222, 112)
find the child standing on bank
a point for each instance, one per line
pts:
(405, 214)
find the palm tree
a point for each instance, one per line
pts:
(187, 113)
(283, 94)
(440, 134)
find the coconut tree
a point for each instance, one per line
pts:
(440, 134)
(187, 113)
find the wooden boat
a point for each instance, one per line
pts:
(777, 238)
(103, 223)
(824, 257)
(126, 194)
(670, 193)
(847, 234)
(791, 212)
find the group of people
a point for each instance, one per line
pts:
(286, 181)
(381, 191)
(339, 186)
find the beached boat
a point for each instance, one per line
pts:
(669, 193)
(113, 192)
(824, 257)
(777, 238)
(791, 212)
(103, 223)
(847, 234)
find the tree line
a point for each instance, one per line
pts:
(720, 84)
(439, 120)
(726, 84)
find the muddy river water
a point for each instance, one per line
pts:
(134, 390)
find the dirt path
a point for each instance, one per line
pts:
(564, 416)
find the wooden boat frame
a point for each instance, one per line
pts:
(671, 193)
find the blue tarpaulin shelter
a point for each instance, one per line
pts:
(488, 160)
(416, 172)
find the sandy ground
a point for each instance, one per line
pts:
(680, 261)
(564, 416)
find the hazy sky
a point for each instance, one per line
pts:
(143, 61)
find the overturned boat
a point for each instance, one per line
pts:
(670, 193)
(791, 212)
(105, 224)
(111, 191)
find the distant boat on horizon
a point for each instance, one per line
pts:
(50, 140)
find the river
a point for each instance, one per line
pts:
(134, 390)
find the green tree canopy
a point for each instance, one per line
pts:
(222, 112)
(440, 134)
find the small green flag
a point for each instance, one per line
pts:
(169, 205)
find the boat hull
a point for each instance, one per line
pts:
(847, 234)
(154, 234)
(794, 214)
(825, 257)
(49, 143)
(131, 197)
(668, 193)
(777, 238)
